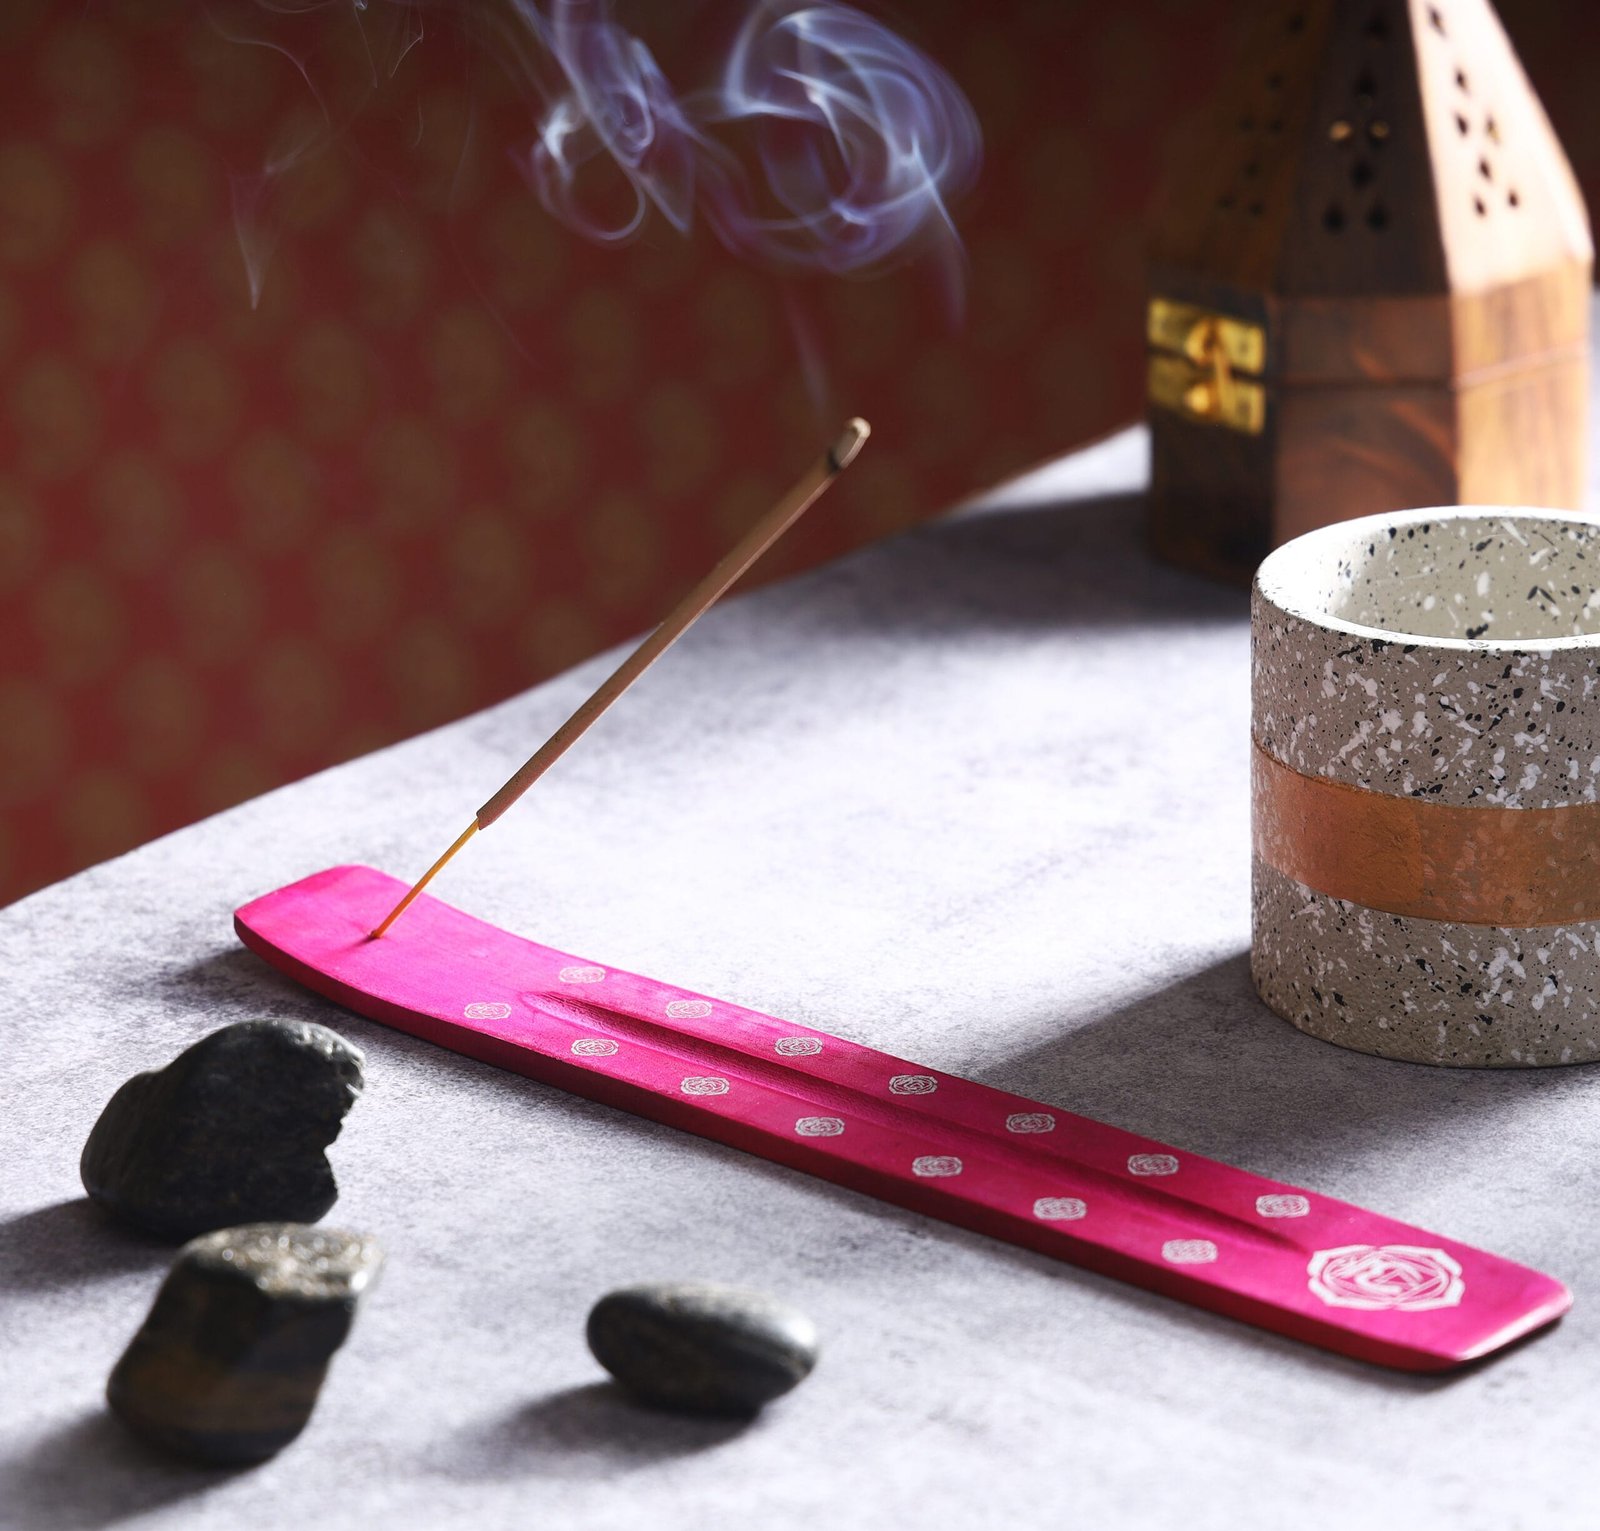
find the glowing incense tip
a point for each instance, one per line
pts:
(843, 451)
(422, 882)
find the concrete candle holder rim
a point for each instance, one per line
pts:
(1293, 577)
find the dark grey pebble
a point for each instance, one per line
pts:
(228, 1364)
(231, 1131)
(702, 1348)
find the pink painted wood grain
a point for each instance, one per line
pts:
(1289, 1260)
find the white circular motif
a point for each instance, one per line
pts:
(581, 975)
(1282, 1206)
(819, 1126)
(594, 1047)
(1152, 1164)
(707, 1085)
(1059, 1209)
(798, 1047)
(1031, 1121)
(1189, 1251)
(688, 1009)
(1403, 1278)
(936, 1164)
(487, 1010)
(913, 1084)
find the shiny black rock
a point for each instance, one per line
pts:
(231, 1131)
(702, 1348)
(229, 1363)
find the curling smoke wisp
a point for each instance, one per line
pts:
(817, 141)
(860, 139)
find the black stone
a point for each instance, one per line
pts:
(231, 1131)
(701, 1348)
(228, 1365)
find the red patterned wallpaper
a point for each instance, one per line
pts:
(451, 447)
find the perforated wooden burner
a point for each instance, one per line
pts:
(1369, 286)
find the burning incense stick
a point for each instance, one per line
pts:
(695, 604)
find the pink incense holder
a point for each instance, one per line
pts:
(1286, 1259)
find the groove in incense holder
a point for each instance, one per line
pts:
(1289, 1260)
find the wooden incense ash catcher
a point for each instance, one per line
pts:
(1369, 287)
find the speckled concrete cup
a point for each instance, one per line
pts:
(1426, 718)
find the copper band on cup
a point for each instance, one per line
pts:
(1428, 860)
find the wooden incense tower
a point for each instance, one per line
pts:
(1369, 289)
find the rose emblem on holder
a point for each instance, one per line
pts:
(936, 1165)
(1030, 1121)
(798, 1047)
(1059, 1209)
(487, 1010)
(594, 1047)
(688, 1009)
(1282, 1204)
(581, 975)
(913, 1084)
(1152, 1164)
(1400, 1278)
(707, 1084)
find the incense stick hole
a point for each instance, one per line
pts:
(1333, 218)
(1512, 199)
(1377, 217)
(1361, 173)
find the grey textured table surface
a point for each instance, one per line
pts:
(976, 796)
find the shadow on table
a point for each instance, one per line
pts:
(69, 1243)
(1204, 1064)
(93, 1473)
(589, 1432)
(1075, 563)
(234, 984)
